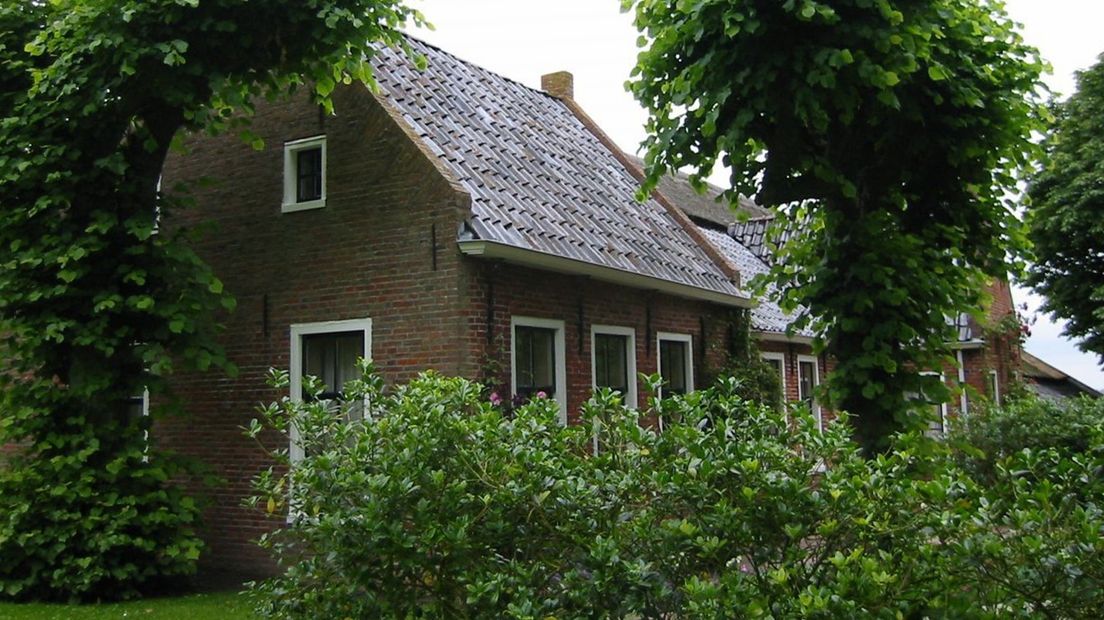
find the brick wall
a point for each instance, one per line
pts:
(791, 352)
(383, 247)
(581, 303)
(1000, 352)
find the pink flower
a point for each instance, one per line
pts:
(495, 398)
(542, 395)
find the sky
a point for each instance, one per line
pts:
(524, 39)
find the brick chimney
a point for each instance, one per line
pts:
(560, 84)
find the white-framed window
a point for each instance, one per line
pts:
(304, 174)
(994, 387)
(138, 407)
(676, 362)
(613, 360)
(808, 378)
(778, 362)
(328, 350)
(937, 424)
(537, 360)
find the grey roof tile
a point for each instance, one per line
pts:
(708, 207)
(752, 234)
(538, 178)
(767, 316)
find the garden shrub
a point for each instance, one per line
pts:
(92, 515)
(435, 503)
(429, 501)
(1034, 542)
(992, 433)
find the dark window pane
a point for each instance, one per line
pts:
(308, 170)
(807, 382)
(135, 408)
(776, 364)
(535, 358)
(672, 366)
(611, 367)
(332, 358)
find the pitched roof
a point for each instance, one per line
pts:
(766, 317)
(539, 180)
(1052, 383)
(753, 235)
(708, 207)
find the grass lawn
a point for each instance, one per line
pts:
(214, 606)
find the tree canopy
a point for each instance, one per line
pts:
(97, 300)
(889, 129)
(1066, 214)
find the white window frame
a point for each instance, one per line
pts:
(295, 363)
(781, 358)
(942, 406)
(145, 397)
(815, 383)
(560, 353)
(291, 149)
(689, 362)
(630, 358)
(994, 381)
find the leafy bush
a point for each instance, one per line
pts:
(431, 502)
(1034, 542)
(993, 433)
(437, 504)
(92, 515)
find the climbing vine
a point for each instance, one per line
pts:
(98, 299)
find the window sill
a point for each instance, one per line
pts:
(291, 207)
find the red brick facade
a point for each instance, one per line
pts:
(997, 355)
(382, 248)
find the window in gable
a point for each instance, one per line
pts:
(305, 174)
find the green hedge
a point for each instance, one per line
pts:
(439, 504)
(90, 512)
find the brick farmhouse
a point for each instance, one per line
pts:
(459, 221)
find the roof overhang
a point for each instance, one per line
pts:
(782, 337)
(548, 262)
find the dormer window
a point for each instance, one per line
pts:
(305, 174)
